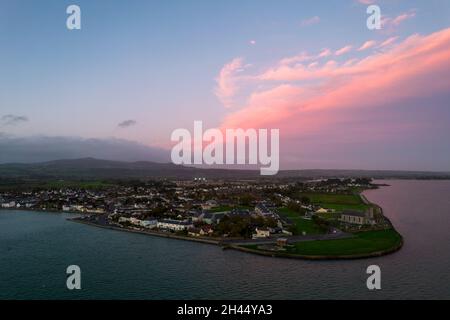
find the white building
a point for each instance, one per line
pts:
(174, 225)
(124, 219)
(149, 224)
(11, 204)
(356, 217)
(261, 233)
(135, 221)
(208, 205)
(262, 210)
(132, 220)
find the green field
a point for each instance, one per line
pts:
(76, 184)
(342, 207)
(337, 202)
(221, 209)
(330, 215)
(362, 243)
(54, 184)
(333, 198)
(229, 208)
(301, 225)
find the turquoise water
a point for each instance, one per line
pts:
(36, 248)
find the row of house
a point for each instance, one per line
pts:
(7, 205)
(263, 210)
(164, 224)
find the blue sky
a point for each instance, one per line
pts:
(156, 62)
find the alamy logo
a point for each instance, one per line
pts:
(374, 20)
(73, 21)
(374, 280)
(74, 278)
(241, 146)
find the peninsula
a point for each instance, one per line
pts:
(325, 218)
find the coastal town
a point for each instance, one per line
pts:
(272, 213)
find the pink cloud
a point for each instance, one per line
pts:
(226, 86)
(324, 53)
(390, 24)
(367, 45)
(403, 17)
(298, 72)
(310, 21)
(404, 71)
(388, 42)
(304, 56)
(343, 50)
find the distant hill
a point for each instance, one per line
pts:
(90, 168)
(375, 174)
(34, 149)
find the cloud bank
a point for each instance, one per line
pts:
(11, 120)
(313, 99)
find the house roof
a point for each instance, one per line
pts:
(177, 222)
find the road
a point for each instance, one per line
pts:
(291, 239)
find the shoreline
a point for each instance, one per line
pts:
(284, 255)
(239, 247)
(238, 244)
(148, 233)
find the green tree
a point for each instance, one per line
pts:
(305, 200)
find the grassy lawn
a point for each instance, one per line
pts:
(338, 202)
(221, 209)
(301, 225)
(342, 207)
(77, 184)
(228, 208)
(364, 242)
(329, 215)
(333, 198)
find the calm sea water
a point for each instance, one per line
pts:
(36, 248)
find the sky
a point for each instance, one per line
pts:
(343, 96)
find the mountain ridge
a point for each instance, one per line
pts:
(93, 168)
